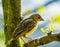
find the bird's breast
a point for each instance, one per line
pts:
(31, 31)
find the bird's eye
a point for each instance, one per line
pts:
(39, 17)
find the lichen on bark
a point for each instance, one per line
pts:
(12, 16)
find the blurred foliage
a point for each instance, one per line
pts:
(43, 30)
(21, 43)
(28, 11)
(58, 19)
(38, 9)
(41, 9)
(52, 26)
(52, 19)
(0, 22)
(2, 39)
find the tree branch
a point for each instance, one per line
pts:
(43, 40)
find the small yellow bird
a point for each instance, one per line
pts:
(26, 26)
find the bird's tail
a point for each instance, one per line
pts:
(9, 42)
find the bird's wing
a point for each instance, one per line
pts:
(24, 27)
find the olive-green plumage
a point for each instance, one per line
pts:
(27, 26)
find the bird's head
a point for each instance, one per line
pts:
(37, 17)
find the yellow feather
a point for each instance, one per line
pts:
(31, 31)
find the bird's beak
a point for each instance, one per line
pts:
(42, 19)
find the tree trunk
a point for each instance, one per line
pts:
(12, 16)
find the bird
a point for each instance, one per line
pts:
(26, 26)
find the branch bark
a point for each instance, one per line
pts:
(43, 40)
(12, 16)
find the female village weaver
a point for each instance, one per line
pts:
(26, 27)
